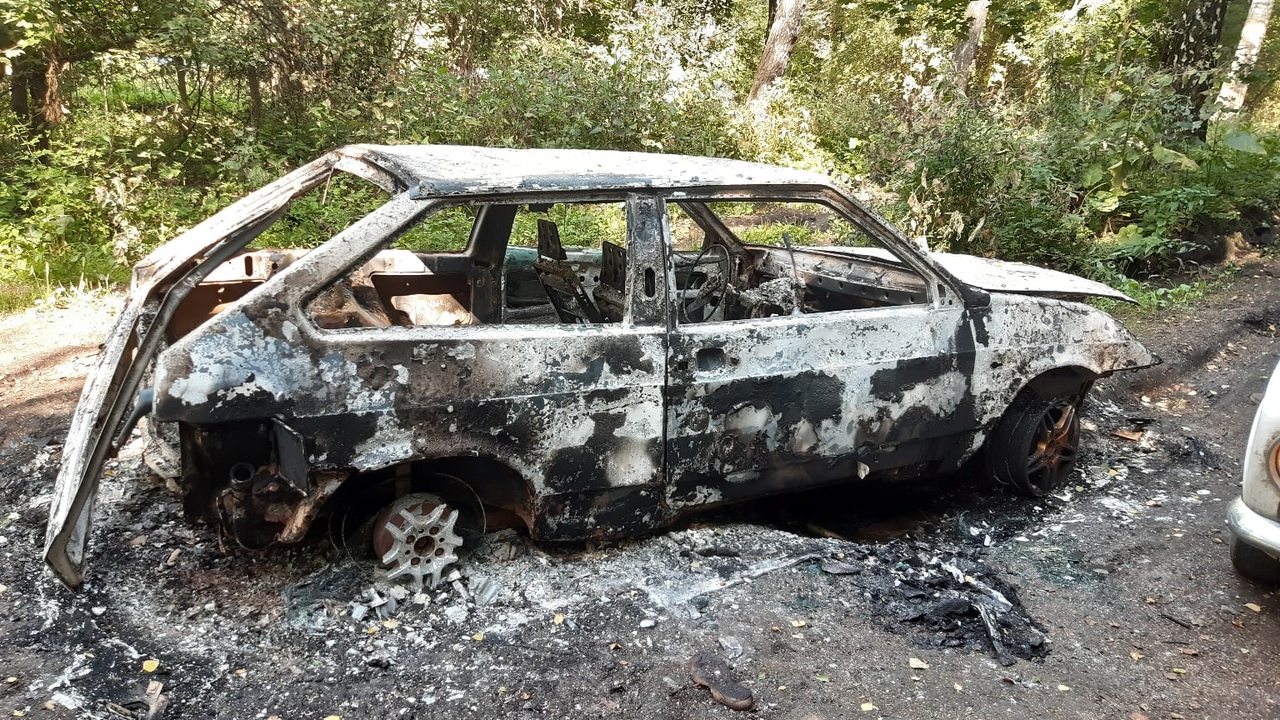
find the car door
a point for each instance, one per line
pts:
(757, 405)
(574, 409)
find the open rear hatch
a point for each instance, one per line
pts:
(160, 283)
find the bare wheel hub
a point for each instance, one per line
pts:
(415, 536)
(1054, 446)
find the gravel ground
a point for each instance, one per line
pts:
(1113, 599)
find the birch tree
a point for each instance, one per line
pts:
(783, 32)
(1193, 53)
(1231, 97)
(967, 50)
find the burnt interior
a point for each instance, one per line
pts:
(497, 282)
(241, 474)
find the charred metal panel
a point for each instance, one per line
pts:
(570, 408)
(1031, 336)
(811, 390)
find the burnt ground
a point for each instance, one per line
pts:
(1113, 599)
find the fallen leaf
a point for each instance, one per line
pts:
(918, 664)
(150, 665)
(612, 646)
(868, 707)
(558, 619)
(390, 624)
(332, 717)
(798, 623)
(1237, 623)
(1180, 671)
(19, 713)
(10, 680)
(824, 678)
(1189, 651)
(1136, 655)
(1254, 607)
(242, 672)
(1171, 676)
(958, 687)
(138, 541)
(480, 636)
(1138, 716)
(1134, 435)
(3, 588)
(1063, 688)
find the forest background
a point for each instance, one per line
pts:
(1112, 138)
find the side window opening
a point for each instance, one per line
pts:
(566, 263)
(311, 218)
(765, 258)
(490, 264)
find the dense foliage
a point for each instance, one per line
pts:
(1076, 134)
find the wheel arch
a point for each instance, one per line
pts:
(1066, 380)
(494, 483)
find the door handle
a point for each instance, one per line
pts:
(710, 359)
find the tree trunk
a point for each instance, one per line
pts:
(184, 93)
(1231, 97)
(967, 50)
(783, 32)
(1193, 54)
(255, 98)
(29, 93)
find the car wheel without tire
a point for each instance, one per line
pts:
(1254, 563)
(1034, 445)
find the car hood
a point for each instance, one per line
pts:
(1015, 277)
(1005, 276)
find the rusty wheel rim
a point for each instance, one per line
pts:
(1052, 454)
(415, 537)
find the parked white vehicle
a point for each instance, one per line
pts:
(1254, 517)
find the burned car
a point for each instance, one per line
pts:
(586, 344)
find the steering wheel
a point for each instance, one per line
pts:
(697, 294)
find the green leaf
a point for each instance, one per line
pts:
(1104, 202)
(1244, 142)
(1166, 156)
(1092, 175)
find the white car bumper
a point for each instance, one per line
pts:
(1254, 529)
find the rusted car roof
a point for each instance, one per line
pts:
(453, 170)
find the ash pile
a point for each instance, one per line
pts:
(950, 599)
(941, 594)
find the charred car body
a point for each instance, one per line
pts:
(621, 339)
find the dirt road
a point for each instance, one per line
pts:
(851, 603)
